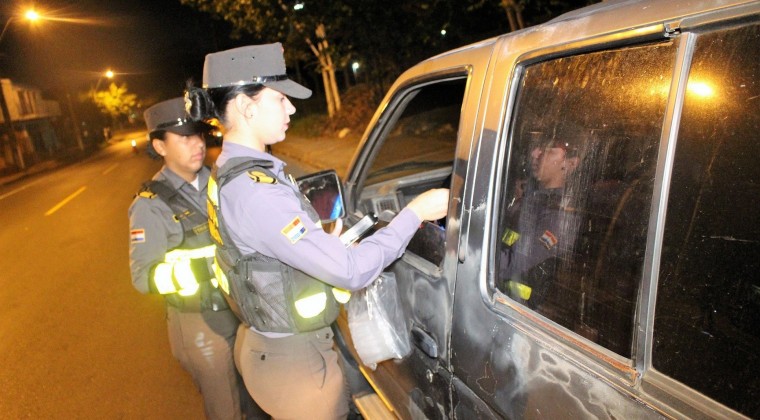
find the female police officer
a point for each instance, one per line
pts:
(170, 254)
(276, 264)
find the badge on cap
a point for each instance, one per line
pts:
(137, 236)
(294, 231)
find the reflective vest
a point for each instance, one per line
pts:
(264, 292)
(184, 277)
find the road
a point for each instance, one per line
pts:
(77, 341)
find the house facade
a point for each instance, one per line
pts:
(36, 122)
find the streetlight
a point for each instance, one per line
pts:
(108, 74)
(30, 15)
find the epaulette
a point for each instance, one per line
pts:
(147, 193)
(261, 177)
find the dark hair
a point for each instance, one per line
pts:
(207, 104)
(155, 135)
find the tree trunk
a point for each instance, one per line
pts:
(332, 96)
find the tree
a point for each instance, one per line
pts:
(116, 101)
(385, 37)
(308, 24)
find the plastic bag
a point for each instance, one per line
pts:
(377, 324)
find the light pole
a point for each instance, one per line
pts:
(30, 15)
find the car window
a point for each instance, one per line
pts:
(708, 301)
(416, 153)
(573, 213)
(423, 135)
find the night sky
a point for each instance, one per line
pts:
(152, 45)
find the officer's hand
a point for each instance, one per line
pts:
(431, 205)
(337, 227)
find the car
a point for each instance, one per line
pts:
(646, 301)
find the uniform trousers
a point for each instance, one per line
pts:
(203, 343)
(293, 377)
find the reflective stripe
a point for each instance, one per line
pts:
(162, 278)
(175, 274)
(224, 284)
(311, 306)
(510, 237)
(213, 191)
(190, 254)
(341, 295)
(519, 289)
(185, 277)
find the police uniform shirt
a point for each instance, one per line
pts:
(153, 230)
(546, 229)
(268, 218)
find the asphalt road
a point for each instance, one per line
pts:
(76, 340)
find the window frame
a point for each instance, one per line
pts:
(385, 123)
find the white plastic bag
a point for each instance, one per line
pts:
(377, 324)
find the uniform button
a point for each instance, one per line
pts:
(263, 357)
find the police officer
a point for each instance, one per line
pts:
(171, 252)
(281, 270)
(543, 222)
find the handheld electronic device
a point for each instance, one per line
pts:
(358, 230)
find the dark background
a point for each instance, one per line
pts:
(153, 46)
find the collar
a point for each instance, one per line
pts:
(178, 182)
(232, 150)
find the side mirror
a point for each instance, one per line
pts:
(325, 192)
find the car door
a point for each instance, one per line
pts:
(414, 144)
(649, 306)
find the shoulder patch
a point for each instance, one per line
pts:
(137, 236)
(294, 231)
(261, 177)
(548, 240)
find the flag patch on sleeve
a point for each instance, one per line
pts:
(548, 239)
(295, 230)
(137, 236)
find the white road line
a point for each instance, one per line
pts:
(111, 168)
(10, 193)
(65, 200)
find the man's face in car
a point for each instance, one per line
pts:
(550, 165)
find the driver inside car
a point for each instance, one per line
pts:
(543, 220)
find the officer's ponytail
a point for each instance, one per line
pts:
(207, 104)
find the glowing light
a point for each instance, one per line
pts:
(31, 15)
(443, 32)
(109, 74)
(701, 89)
(298, 6)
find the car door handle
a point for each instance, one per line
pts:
(425, 342)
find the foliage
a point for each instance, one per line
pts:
(116, 101)
(385, 37)
(359, 103)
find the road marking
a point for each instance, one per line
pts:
(65, 200)
(10, 193)
(110, 168)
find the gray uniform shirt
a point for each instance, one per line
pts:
(153, 230)
(268, 218)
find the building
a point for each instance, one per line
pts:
(36, 122)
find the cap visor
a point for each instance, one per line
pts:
(290, 88)
(189, 129)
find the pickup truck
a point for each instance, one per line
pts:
(601, 252)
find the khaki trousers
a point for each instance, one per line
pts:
(203, 343)
(294, 377)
